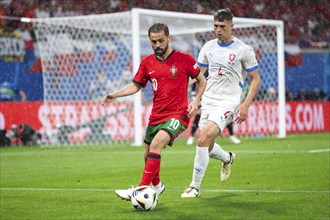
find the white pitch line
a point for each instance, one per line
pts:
(172, 152)
(175, 190)
(319, 150)
(265, 151)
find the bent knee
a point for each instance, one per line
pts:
(205, 140)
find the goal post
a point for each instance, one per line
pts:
(77, 51)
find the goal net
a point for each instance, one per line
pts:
(86, 57)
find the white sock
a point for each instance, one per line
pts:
(200, 166)
(219, 154)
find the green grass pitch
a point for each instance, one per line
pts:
(271, 179)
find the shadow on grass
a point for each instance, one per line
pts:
(226, 206)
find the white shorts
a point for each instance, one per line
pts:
(220, 115)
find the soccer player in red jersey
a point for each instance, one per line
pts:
(168, 71)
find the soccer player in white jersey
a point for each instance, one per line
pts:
(228, 61)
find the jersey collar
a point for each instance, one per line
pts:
(225, 45)
(166, 57)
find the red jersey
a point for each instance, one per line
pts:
(169, 79)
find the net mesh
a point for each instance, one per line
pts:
(86, 57)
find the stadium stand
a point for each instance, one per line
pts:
(306, 22)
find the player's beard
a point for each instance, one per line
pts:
(223, 38)
(160, 52)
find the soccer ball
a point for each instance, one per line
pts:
(144, 198)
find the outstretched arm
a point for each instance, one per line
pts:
(201, 84)
(126, 91)
(243, 109)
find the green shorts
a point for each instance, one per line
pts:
(173, 127)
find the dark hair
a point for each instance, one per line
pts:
(223, 14)
(158, 27)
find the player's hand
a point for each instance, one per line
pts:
(108, 99)
(192, 107)
(241, 114)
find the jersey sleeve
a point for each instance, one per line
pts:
(202, 58)
(193, 69)
(141, 78)
(249, 60)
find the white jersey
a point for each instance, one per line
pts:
(227, 65)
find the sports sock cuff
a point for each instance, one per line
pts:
(153, 155)
(203, 150)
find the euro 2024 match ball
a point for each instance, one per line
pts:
(144, 198)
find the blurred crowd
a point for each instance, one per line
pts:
(306, 21)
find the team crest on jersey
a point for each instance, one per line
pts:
(173, 70)
(231, 58)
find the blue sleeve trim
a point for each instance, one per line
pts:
(202, 64)
(252, 68)
(241, 85)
